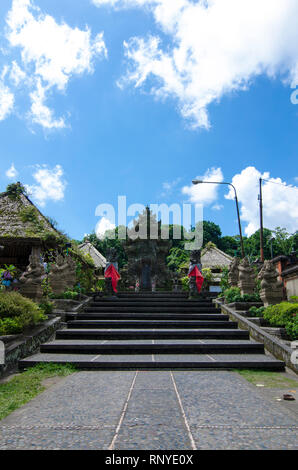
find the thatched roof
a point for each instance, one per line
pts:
(88, 249)
(21, 221)
(212, 257)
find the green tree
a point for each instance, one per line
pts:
(230, 245)
(212, 233)
(284, 243)
(177, 257)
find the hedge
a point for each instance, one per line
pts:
(17, 313)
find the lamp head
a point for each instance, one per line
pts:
(197, 181)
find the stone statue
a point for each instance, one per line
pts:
(176, 282)
(233, 276)
(63, 274)
(31, 279)
(246, 281)
(271, 288)
(70, 272)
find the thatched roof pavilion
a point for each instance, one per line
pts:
(22, 227)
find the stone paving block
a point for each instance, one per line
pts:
(152, 438)
(55, 439)
(245, 439)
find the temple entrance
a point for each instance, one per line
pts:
(146, 277)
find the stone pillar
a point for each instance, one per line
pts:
(233, 276)
(31, 279)
(271, 288)
(246, 281)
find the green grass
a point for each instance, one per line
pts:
(22, 388)
(268, 379)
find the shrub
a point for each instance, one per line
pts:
(233, 294)
(224, 282)
(70, 295)
(256, 312)
(292, 328)
(46, 307)
(100, 285)
(281, 314)
(18, 313)
(185, 283)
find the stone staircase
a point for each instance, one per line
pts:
(153, 331)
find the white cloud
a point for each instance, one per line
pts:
(12, 172)
(6, 101)
(204, 194)
(217, 207)
(17, 75)
(40, 113)
(51, 54)
(102, 226)
(50, 185)
(217, 47)
(169, 187)
(280, 201)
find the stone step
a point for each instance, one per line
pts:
(158, 361)
(139, 334)
(147, 316)
(150, 324)
(154, 309)
(150, 303)
(150, 347)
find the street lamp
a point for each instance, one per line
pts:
(271, 246)
(237, 207)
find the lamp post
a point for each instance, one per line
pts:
(237, 207)
(261, 223)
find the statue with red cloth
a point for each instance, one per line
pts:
(195, 272)
(111, 271)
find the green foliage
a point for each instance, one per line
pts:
(185, 283)
(281, 314)
(14, 190)
(224, 282)
(233, 294)
(177, 258)
(207, 275)
(283, 243)
(230, 245)
(30, 214)
(54, 238)
(23, 387)
(47, 307)
(292, 328)
(256, 311)
(47, 291)
(18, 313)
(267, 378)
(100, 285)
(211, 233)
(85, 277)
(70, 294)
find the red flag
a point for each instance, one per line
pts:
(199, 278)
(112, 272)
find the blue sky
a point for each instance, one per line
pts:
(142, 119)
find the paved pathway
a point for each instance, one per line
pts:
(158, 410)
